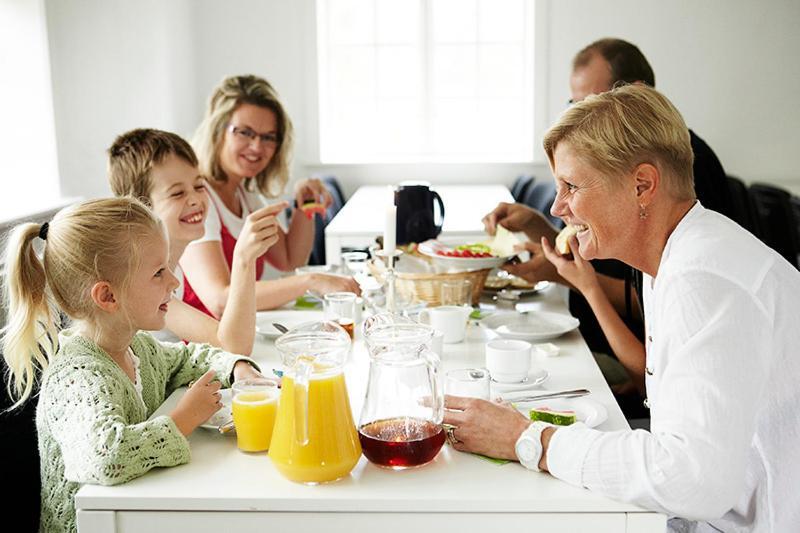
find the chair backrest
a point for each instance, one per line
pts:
(541, 196)
(335, 190)
(796, 212)
(521, 186)
(740, 208)
(776, 220)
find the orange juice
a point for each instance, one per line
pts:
(333, 448)
(254, 417)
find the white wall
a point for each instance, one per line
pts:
(117, 65)
(729, 65)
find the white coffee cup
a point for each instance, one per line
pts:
(449, 319)
(508, 361)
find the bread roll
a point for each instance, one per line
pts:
(562, 240)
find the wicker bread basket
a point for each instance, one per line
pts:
(427, 287)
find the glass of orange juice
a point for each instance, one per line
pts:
(255, 403)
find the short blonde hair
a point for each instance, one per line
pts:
(233, 92)
(134, 154)
(617, 130)
(97, 240)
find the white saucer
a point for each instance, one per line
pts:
(224, 415)
(288, 317)
(530, 325)
(536, 377)
(588, 411)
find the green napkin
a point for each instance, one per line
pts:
(307, 302)
(492, 459)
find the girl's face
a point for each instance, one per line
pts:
(151, 286)
(179, 199)
(250, 141)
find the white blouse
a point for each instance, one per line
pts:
(723, 367)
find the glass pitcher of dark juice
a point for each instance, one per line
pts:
(401, 419)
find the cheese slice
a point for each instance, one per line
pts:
(562, 240)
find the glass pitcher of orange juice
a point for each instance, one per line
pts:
(314, 439)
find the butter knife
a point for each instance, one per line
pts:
(576, 393)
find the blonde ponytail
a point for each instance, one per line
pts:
(29, 339)
(88, 242)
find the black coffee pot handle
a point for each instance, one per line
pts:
(438, 227)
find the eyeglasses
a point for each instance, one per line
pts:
(247, 135)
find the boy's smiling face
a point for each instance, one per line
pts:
(179, 198)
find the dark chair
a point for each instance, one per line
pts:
(796, 212)
(740, 208)
(541, 196)
(776, 220)
(521, 186)
(19, 448)
(335, 190)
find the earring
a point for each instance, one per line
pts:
(642, 213)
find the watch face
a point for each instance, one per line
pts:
(525, 450)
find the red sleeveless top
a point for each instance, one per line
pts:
(228, 242)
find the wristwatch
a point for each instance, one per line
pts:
(529, 445)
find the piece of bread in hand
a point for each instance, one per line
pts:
(562, 240)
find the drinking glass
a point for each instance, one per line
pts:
(255, 403)
(456, 292)
(355, 262)
(341, 308)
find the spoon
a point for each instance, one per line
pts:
(280, 327)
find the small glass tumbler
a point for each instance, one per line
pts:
(340, 307)
(456, 292)
(255, 403)
(467, 382)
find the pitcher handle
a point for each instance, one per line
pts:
(438, 227)
(434, 363)
(302, 370)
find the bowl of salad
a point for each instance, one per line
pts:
(466, 256)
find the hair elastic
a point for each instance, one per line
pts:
(43, 231)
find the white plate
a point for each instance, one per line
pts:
(289, 318)
(590, 412)
(430, 248)
(224, 415)
(536, 377)
(530, 325)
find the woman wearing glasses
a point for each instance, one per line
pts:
(244, 146)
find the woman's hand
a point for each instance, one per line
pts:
(577, 271)
(325, 283)
(312, 190)
(198, 404)
(487, 428)
(261, 230)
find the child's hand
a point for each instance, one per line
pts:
(325, 283)
(261, 230)
(198, 404)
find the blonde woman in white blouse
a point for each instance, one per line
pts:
(722, 335)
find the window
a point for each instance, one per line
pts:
(425, 80)
(28, 164)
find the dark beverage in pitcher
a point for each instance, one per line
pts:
(401, 442)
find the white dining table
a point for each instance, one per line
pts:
(223, 489)
(464, 207)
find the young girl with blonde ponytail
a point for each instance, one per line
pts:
(104, 264)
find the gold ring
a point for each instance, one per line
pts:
(450, 432)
